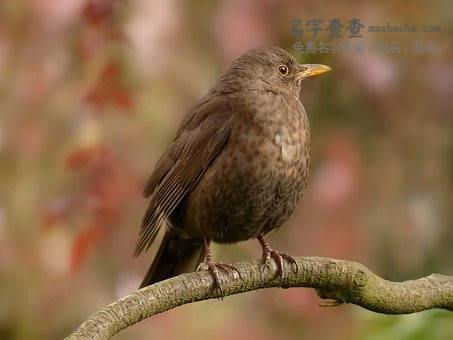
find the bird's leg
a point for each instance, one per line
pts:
(209, 264)
(268, 252)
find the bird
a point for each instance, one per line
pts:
(235, 170)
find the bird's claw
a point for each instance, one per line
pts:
(209, 265)
(278, 257)
(269, 253)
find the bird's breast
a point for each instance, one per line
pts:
(279, 146)
(255, 182)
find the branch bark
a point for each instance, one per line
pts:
(339, 280)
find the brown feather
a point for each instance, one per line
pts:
(164, 164)
(182, 166)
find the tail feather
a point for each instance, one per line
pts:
(176, 255)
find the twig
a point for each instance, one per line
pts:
(340, 280)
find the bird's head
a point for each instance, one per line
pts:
(269, 68)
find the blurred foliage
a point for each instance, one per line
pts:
(430, 325)
(93, 90)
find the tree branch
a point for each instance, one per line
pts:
(340, 280)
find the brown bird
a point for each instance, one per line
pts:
(236, 168)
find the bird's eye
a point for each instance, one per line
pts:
(283, 69)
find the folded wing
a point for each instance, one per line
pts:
(199, 140)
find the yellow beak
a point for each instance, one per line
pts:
(311, 70)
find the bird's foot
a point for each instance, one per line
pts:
(215, 267)
(269, 253)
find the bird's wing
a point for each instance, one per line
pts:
(182, 165)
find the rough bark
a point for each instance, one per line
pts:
(339, 280)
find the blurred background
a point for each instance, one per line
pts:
(92, 91)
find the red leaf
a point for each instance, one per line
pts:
(110, 71)
(97, 12)
(87, 156)
(123, 99)
(109, 90)
(83, 244)
(97, 98)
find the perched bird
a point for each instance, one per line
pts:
(236, 168)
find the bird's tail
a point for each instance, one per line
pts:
(176, 255)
